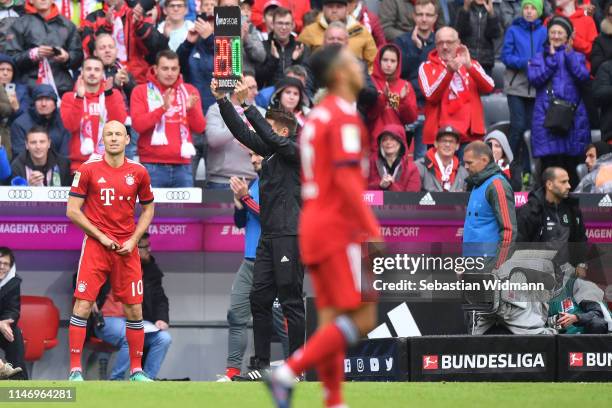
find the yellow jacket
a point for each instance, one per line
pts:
(361, 42)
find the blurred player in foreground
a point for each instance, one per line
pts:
(333, 143)
(109, 186)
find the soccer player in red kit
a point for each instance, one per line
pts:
(333, 223)
(108, 187)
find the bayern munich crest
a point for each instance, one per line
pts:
(82, 286)
(129, 180)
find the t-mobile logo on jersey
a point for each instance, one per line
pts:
(107, 195)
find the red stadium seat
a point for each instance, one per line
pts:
(39, 322)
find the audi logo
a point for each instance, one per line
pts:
(178, 195)
(20, 194)
(57, 194)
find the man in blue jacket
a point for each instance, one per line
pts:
(490, 220)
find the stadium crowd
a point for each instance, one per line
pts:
(69, 67)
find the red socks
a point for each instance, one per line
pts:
(323, 345)
(76, 339)
(331, 374)
(134, 333)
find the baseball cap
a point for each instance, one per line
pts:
(345, 2)
(448, 130)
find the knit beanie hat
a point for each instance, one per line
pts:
(563, 22)
(537, 4)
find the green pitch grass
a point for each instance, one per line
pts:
(368, 395)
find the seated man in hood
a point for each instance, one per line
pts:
(43, 112)
(391, 169)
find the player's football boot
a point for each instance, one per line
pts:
(76, 375)
(140, 376)
(281, 394)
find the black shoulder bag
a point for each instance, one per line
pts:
(560, 114)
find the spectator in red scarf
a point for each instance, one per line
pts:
(85, 111)
(165, 111)
(440, 169)
(390, 167)
(396, 99)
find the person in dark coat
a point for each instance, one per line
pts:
(602, 94)
(565, 70)
(11, 339)
(602, 46)
(478, 25)
(196, 56)
(43, 35)
(282, 49)
(22, 93)
(280, 203)
(43, 112)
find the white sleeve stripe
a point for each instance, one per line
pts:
(429, 90)
(484, 74)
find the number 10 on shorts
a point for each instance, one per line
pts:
(137, 288)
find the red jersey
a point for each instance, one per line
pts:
(110, 195)
(333, 136)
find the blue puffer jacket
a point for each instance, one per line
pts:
(197, 65)
(523, 40)
(566, 70)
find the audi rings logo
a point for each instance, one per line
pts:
(20, 194)
(178, 195)
(57, 194)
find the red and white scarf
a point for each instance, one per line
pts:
(155, 101)
(45, 73)
(445, 172)
(119, 37)
(90, 110)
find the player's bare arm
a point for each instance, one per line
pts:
(75, 214)
(146, 216)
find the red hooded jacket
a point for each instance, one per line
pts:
(382, 113)
(406, 174)
(72, 112)
(144, 123)
(460, 108)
